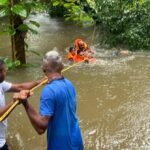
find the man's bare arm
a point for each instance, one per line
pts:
(25, 86)
(39, 122)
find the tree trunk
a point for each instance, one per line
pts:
(17, 40)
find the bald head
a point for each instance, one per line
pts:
(52, 62)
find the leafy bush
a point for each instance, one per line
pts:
(73, 10)
(123, 21)
(126, 22)
(10, 64)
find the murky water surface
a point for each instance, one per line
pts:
(113, 93)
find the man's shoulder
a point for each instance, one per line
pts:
(68, 81)
(69, 84)
(5, 84)
(56, 83)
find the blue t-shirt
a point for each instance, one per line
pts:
(58, 100)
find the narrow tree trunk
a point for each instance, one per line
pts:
(12, 37)
(17, 40)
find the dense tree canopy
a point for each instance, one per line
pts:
(125, 22)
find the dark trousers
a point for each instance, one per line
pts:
(5, 147)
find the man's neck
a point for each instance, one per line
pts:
(53, 76)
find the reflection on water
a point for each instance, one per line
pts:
(113, 93)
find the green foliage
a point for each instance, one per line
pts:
(16, 11)
(8, 30)
(4, 12)
(22, 9)
(125, 22)
(3, 2)
(71, 10)
(19, 10)
(10, 64)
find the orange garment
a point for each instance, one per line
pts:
(77, 44)
(70, 56)
(78, 58)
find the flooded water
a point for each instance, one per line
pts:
(113, 93)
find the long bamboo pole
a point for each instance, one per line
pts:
(11, 108)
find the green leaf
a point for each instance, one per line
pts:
(23, 27)
(3, 12)
(67, 5)
(10, 64)
(56, 3)
(17, 63)
(19, 10)
(35, 23)
(9, 30)
(3, 2)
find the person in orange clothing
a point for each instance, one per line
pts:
(81, 46)
(71, 54)
(79, 57)
(79, 52)
(74, 57)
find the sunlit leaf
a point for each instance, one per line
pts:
(67, 5)
(92, 4)
(3, 12)
(56, 3)
(3, 2)
(19, 10)
(17, 63)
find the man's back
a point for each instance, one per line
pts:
(58, 99)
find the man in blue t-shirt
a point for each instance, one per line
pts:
(57, 111)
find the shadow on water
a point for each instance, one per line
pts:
(113, 93)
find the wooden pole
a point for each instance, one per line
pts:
(11, 108)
